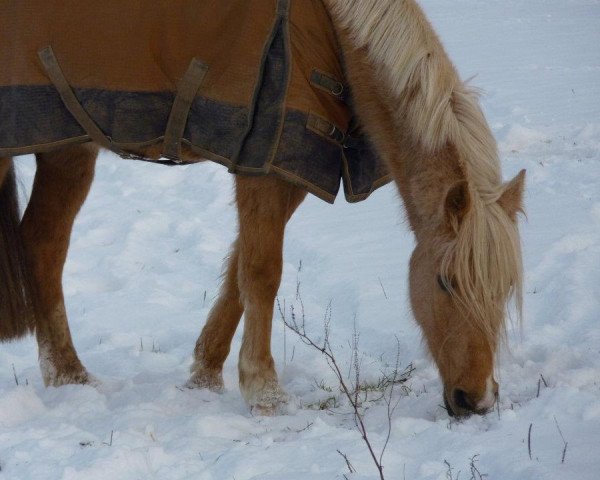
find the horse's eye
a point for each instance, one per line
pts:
(444, 284)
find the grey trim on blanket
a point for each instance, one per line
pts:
(42, 122)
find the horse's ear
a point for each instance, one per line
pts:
(511, 199)
(457, 203)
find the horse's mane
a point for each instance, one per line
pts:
(484, 259)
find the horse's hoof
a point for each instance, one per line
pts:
(81, 377)
(272, 400)
(213, 381)
(93, 381)
(269, 409)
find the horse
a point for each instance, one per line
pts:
(426, 126)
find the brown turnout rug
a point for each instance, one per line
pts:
(256, 85)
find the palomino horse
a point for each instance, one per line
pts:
(423, 122)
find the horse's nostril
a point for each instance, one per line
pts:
(461, 400)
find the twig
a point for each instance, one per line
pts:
(284, 338)
(529, 440)
(382, 288)
(449, 475)
(351, 469)
(355, 362)
(475, 473)
(298, 280)
(540, 380)
(388, 401)
(564, 452)
(109, 444)
(300, 330)
(498, 405)
(308, 425)
(15, 374)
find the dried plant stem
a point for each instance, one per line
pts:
(388, 401)
(529, 440)
(351, 469)
(15, 374)
(565, 443)
(475, 473)
(110, 442)
(382, 288)
(299, 328)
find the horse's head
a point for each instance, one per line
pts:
(465, 268)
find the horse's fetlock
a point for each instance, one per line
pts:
(61, 368)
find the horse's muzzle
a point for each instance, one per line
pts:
(459, 404)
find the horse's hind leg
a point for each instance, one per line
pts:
(61, 184)
(265, 204)
(214, 343)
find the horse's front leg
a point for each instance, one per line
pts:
(61, 184)
(264, 207)
(251, 280)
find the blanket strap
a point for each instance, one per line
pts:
(186, 93)
(283, 8)
(352, 139)
(329, 84)
(325, 128)
(57, 77)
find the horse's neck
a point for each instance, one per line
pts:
(387, 117)
(420, 109)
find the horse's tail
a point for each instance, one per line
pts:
(16, 293)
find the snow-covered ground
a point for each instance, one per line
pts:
(144, 267)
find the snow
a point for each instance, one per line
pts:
(144, 267)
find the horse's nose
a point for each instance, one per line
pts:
(461, 402)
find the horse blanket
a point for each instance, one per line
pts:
(255, 85)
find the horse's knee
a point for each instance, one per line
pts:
(259, 278)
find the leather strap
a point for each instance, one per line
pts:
(57, 77)
(283, 8)
(328, 83)
(325, 128)
(186, 93)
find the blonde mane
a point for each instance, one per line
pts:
(439, 109)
